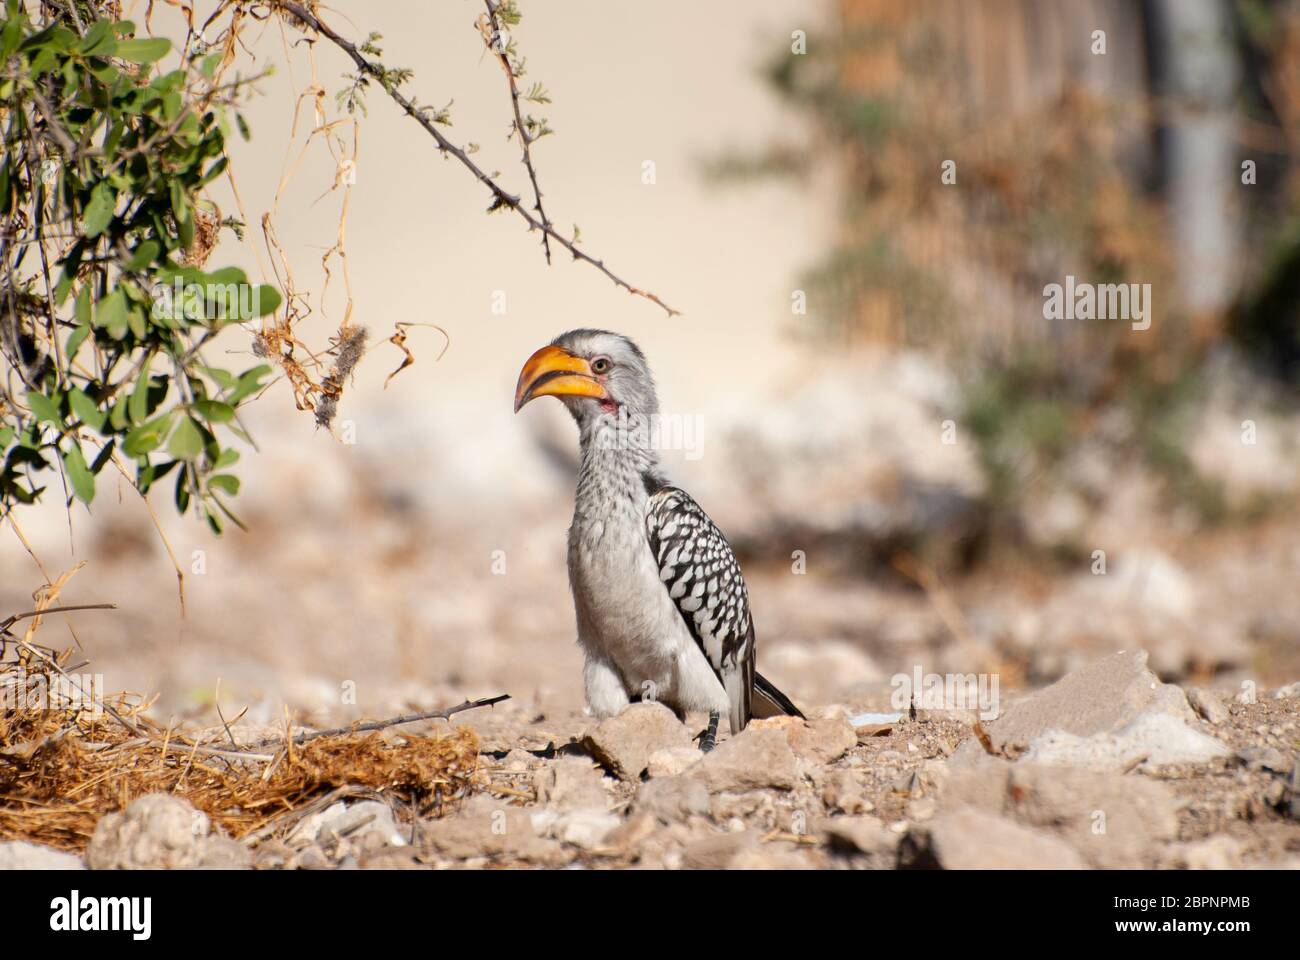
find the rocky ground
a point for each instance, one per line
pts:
(854, 534)
(1107, 768)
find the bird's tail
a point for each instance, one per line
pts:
(768, 701)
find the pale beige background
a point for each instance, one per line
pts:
(629, 85)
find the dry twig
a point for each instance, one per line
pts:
(501, 197)
(490, 28)
(371, 725)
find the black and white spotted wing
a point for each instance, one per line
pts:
(701, 574)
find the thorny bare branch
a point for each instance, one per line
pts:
(390, 722)
(490, 28)
(501, 197)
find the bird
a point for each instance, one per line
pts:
(661, 606)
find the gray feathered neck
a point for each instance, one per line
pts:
(618, 458)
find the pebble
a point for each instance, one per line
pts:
(1208, 704)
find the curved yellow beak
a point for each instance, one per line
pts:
(554, 372)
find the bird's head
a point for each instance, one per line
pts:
(595, 373)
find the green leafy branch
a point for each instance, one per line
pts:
(104, 304)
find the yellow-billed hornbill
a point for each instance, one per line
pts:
(661, 605)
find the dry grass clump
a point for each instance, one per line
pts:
(63, 766)
(426, 770)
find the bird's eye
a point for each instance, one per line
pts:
(601, 365)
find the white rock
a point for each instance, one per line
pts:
(161, 831)
(1099, 698)
(672, 761)
(587, 828)
(754, 759)
(1159, 737)
(20, 855)
(623, 743)
(672, 799)
(971, 839)
(570, 783)
(367, 819)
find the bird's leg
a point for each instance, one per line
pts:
(710, 736)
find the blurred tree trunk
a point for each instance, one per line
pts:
(1196, 76)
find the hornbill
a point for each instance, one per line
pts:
(662, 610)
